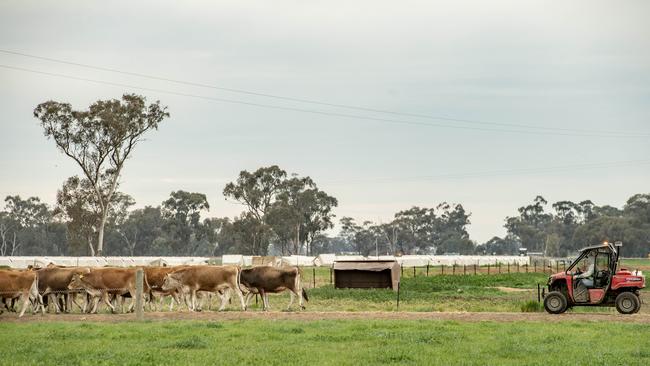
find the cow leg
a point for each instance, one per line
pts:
(192, 300)
(60, 298)
(247, 299)
(73, 298)
(68, 302)
(25, 298)
(263, 296)
(241, 297)
(105, 297)
(266, 298)
(291, 295)
(223, 300)
(175, 297)
(54, 301)
(95, 302)
(298, 290)
(37, 302)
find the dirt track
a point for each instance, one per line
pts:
(307, 316)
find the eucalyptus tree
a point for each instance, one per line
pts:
(100, 140)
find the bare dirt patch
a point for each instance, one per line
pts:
(310, 316)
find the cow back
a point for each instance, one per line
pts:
(269, 278)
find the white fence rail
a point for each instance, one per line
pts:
(324, 260)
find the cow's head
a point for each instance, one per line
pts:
(77, 282)
(171, 282)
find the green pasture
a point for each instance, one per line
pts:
(331, 342)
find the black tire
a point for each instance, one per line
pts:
(555, 302)
(627, 303)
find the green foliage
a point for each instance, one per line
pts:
(290, 211)
(100, 140)
(576, 225)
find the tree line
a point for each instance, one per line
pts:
(283, 213)
(289, 215)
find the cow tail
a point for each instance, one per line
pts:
(238, 279)
(146, 288)
(299, 284)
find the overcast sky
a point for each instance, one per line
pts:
(573, 69)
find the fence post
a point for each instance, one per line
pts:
(398, 289)
(453, 269)
(488, 268)
(427, 269)
(508, 267)
(475, 269)
(499, 267)
(402, 269)
(539, 298)
(413, 271)
(535, 266)
(139, 304)
(464, 269)
(313, 273)
(442, 269)
(517, 267)
(526, 267)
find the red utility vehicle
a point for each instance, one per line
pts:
(594, 279)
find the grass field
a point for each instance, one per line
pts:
(332, 342)
(513, 292)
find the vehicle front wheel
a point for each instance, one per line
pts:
(555, 302)
(627, 303)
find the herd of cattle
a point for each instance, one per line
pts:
(61, 287)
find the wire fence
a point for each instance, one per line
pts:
(311, 277)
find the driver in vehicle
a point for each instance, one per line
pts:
(586, 277)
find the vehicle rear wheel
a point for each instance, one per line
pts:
(555, 302)
(627, 303)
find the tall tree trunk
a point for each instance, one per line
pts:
(100, 238)
(90, 245)
(14, 246)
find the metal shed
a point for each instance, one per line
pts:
(367, 274)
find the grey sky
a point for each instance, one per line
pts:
(574, 64)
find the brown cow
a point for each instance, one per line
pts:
(99, 283)
(23, 285)
(193, 279)
(155, 278)
(53, 282)
(264, 280)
